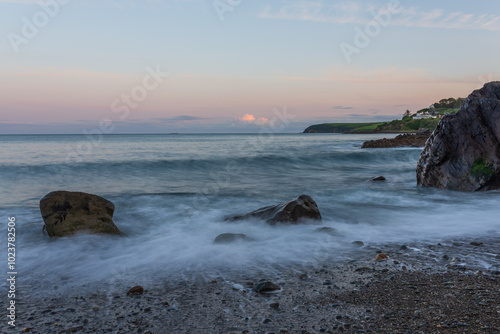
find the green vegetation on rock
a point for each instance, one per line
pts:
(482, 169)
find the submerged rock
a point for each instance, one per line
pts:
(68, 213)
(266, 287)
(463, 153)
(327, 230)
(226, 238)
(379, 178)
(297, 210)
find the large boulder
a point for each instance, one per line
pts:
(67, 213)
(463, 152)
(292, 212)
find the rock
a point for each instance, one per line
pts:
(327, 230)
(404, 140)
(71, 330)
(381, 257)
(136, 290)
(378, 178)
(358, 243)
(68, 213)
(463, 152)
(476, 243)
(266, 287)
(274, 305)
(295, 211)
(227, 238)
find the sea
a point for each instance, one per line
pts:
(173, 192)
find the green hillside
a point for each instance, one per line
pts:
(427, 118)
(342, 127)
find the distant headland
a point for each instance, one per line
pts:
(427, 118)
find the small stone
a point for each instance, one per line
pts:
(403, 247)
(266, 321)
(379, 178)
(446, 257)
(358, 243)
(381, 257)
(274, 305)
(266, 287)
(476, 243)
(227, 238)
(136, 290)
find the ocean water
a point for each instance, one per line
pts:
(172, 193)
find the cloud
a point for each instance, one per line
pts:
(251, 119)
(261, 121)
(247, 118)
(356, 12)
(341, 107)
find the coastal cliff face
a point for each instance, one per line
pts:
(463, 152)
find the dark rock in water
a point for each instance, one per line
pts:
(463, 152)
(136, 290)
(67, 213)
(378, 178)
(404, 140)
(226, 238)
(266, 287)
(295, 211)
(358, 243)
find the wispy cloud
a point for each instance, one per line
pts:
(360, 13)
(342, 107)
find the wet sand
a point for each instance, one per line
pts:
(449, 287)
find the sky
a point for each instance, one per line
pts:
(204, 66)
